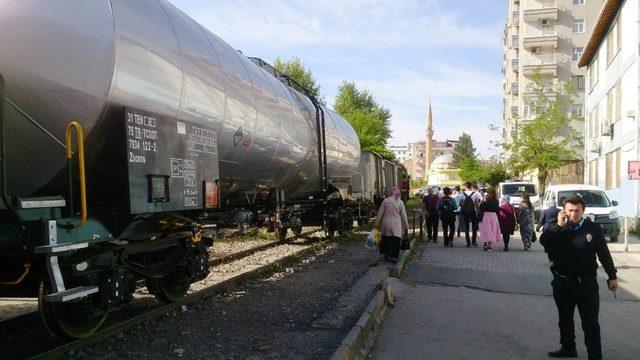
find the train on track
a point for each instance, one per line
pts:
(130, 134)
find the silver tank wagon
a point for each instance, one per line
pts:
(86, 60)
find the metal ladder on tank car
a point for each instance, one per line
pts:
(320, 129)
(52, 204)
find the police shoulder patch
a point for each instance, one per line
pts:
(589, 237)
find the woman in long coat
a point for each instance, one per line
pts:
(526, 221)
(507, 220)
(392, 223)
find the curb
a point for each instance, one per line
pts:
(373, 313)
(397, 270)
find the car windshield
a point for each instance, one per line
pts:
(592, 198)
(517, 189)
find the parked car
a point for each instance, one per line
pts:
(516, 188)
(599, 208)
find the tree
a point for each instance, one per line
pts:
(471, 170)
(369, 119)
(295, 69)
(494, 172)
(463, 149)
(543, 144)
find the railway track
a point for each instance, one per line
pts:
(61, 348)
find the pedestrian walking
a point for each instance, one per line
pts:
(525, 221)
(430, 205)
(457, 199)
(575, 242)
(549, 215)
(447, 212)
(392, 223)
(489, 224)
(507, 220)
(470, 202)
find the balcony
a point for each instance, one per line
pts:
(541, 13)
(514, 88)
(514, 110)
(514, 64)
(540, 39)
(546, 64)
(549, 91)
(515, 17)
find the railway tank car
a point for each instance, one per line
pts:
(172, 126)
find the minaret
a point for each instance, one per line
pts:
(427, 145)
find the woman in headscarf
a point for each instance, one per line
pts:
(489, 226)
(526, 221)
(507, 220)
(392, 223)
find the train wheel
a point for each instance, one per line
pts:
(168, 289)
(76, 319)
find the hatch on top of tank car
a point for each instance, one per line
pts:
(172, 164)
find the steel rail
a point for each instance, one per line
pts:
(222, 287)
(34, 315)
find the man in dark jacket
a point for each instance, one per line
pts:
(430, 206)
(549, 215)
(573, 243)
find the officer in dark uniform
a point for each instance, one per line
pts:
(573, 244)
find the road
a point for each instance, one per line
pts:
(464, 303)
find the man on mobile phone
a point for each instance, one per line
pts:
(574, 243)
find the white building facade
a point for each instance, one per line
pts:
(612, 132)
(402, 153)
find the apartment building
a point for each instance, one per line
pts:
(548, 35)
(612, 132)
(402, 152)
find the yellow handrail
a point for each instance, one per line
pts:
(83, 186)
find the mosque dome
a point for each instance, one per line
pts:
(444, 161)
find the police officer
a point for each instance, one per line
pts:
(573, 244)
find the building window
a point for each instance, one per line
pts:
(593, 172)
(578, 82)
(607, 121)
(578, 26)
(612, 170)
(618, 96)
(610, 46)
(577, 110)
(575, 54)
(593, 72)
(619, 32)
(578, 2)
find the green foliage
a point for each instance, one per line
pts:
(369, 119)
(490, 172)
(416, 184)
(471, 170)
(494, 172)
(295, 69)
(543, 143)
(463, 149)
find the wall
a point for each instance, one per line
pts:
(623, 68)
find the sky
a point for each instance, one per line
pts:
(405, 52)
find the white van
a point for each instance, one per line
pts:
(516, 188)
(598, 206)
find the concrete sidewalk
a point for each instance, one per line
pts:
(464, 303)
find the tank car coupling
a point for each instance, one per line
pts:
(118, 287)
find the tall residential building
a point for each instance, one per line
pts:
(612, 133)
(548, 35)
